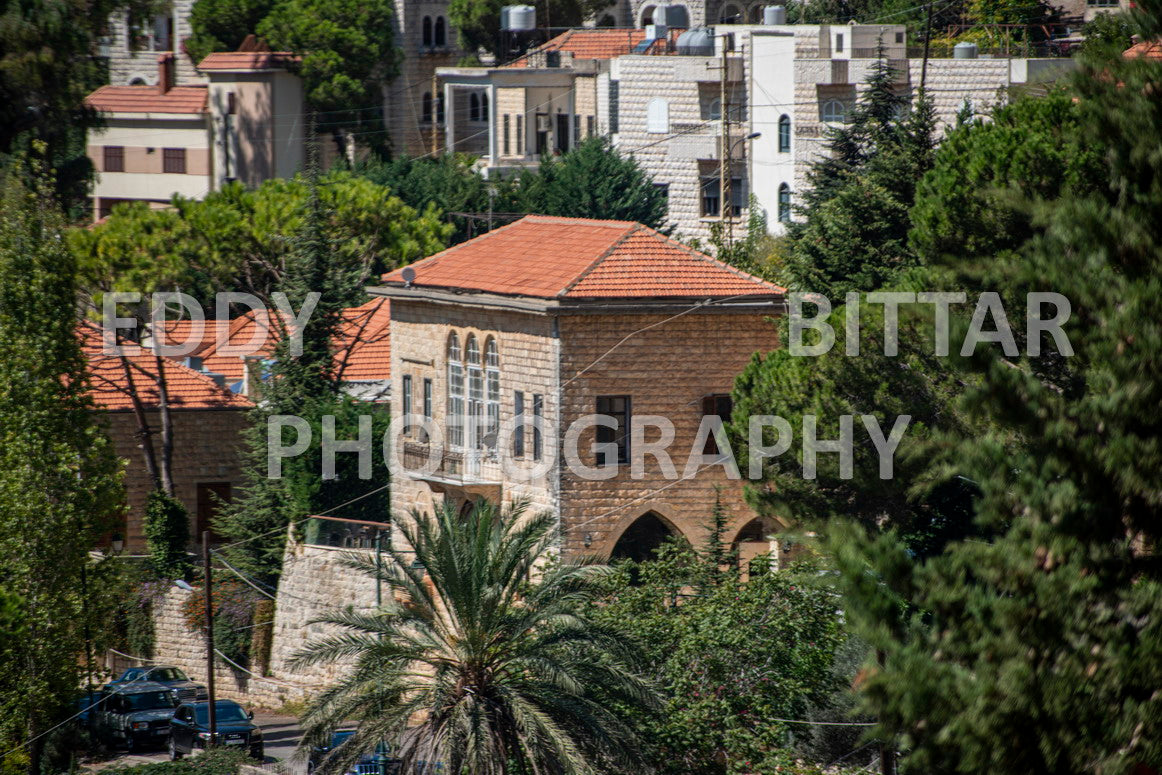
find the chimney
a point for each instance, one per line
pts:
(165, 72)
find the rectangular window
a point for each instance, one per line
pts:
(664, 188)
(114, 158)
(899, 37)
(518, 434)
(576, 129)
(455, 419)
(839, 43)
(590, 126)
(428, 398)
(711, 197)
(618, 408)
(520, 135)
(173, 160)
(614, 103)
(406, 394)
(476, 406)
(721, 405)
(538, 421)
(507, 139)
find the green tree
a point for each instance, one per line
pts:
(304, 385)
(167, 534)
(1039, 650)
(47, 68)
(348, 51)
(856, 207)
(594, 180)
(222, 25)
(1107, 34)
(239, 239)
(480, 668)
(59, 484)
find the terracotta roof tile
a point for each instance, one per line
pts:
(594, 43)
(147, 99)
(186, 388)
(550, 257)
(364, 349)
(1144, 50)
(249, 60)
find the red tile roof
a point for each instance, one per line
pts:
(147, 99)
(551, 257)
(1144, 50)
(229, 361)
(249, 60)
(186, 388)
(594, 43)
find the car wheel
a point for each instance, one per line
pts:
(257, 753)
(174, 753)
(130, 743)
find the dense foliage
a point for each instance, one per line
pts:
(60, 489)
(470, 662)
(167, 534)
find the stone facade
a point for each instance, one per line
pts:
(206, 461)
(132, 54)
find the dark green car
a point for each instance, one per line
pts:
(190, 728)
(134, 715)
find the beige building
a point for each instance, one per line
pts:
(245, 123)
(555, 321)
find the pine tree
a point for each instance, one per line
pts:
(59, 484)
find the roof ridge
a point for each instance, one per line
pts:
(711, 259)
(597, 261)
(431, 260)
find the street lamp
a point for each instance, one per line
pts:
(727, 193)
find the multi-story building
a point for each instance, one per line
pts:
(513, 342)
(131, 49)
(244, 123)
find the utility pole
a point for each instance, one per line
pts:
(927, 40)
(213, 712)
(724, 139)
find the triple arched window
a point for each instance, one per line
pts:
(473, 420)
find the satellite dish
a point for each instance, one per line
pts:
(409, 275)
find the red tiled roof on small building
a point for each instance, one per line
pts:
(110, 387)
(1144, 50)
(148, 99)
(591, 43)
(551, 257)
(249, 60)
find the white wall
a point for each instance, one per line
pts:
(771, 95)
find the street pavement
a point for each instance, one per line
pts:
(280, 735)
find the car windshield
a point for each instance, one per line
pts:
(339, 737)
(226, 712)
(131, 674)
(149, 701)
(168, 674)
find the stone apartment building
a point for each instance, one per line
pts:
(208, 421)
(245, 122)
(555, 319)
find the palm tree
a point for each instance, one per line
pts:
(482, 657)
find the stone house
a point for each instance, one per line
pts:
(510, 343)
(245, 123)
(208, 421)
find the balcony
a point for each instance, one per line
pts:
(472, 470)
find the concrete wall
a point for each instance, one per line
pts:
(144, 139)
(207, 449)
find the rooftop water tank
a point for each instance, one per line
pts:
(697, 42)
(522, 18)
(775, 14)
(655, 31)
(964, 50)
(504, 17)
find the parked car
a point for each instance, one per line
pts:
(175, 678)
(377, 762)
(319, 752)
(136, 715)
(189, 729)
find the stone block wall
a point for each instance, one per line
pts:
(207, 450)
(128, 64)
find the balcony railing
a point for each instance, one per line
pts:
(454, 466)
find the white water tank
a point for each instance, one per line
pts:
(522, 18)
(696, 42)
(504, 16)
(964, 50)
(775, 14)
(656, 31)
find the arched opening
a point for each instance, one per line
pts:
(756, 14)
(679, 17)
(784, 203)
(441, 32)
(752, 544)
(426, 108)
(484, 106)
(833, 112)
(784, 133)
(642, 538)
(648, 15)
(440, 109)
(427, 32)
(473, 107)
(731, 14)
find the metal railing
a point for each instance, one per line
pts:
(345, 533)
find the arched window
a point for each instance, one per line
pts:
(641, 539)
(784, 133)
(784, 203)
(714, 110)
(427, 33)
(473, 107)
(441, 32)
(756, 14)
(426, 108)
(648, 15)
(731, 14)
(492, 394)
(834, 112)
(455, 419)
(484, 106)
(440, 109)
(475, 418)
